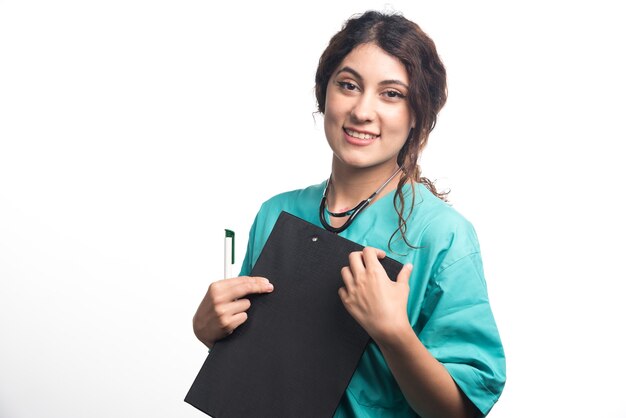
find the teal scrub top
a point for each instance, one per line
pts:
(448, 306)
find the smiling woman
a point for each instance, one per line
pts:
(435, 348)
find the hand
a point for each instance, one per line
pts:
(224, 307)
(374, 301)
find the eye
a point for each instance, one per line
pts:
(346, 85)
(393, 94)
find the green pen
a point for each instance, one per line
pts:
(229, 253)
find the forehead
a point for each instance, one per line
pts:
(372, 62)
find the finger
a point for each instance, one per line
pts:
(343, 295)
(253, 285)
(347, 276)
(233, 308)
(236, 281)
(236, 321)
(355, 260)
(376, 251)
(371, 257)
(380, 253)
(405, 273)
(240, 287)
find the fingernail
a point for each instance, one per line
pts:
(270, 286)
(410, 266)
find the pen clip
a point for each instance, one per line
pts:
(231, 234)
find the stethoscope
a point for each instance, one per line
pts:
(351, 213)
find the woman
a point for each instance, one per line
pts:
(436, 351)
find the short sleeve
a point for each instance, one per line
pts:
(460, 331)
(246, 265)
(259, 232)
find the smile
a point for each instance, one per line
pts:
(360, 135)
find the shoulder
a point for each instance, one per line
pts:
(298, 202)
(292, 198)
(302, 203)
(439, 228)
(436, 215)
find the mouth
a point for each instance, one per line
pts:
(360, 135)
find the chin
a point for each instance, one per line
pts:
(357, 163)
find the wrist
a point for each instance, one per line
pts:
(395, 337)
(200, 335)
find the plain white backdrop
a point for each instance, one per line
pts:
(133, 132)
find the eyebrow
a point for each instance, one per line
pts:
(358, 76)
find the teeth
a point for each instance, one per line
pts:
(360, 135)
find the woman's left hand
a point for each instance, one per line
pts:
(377, 303)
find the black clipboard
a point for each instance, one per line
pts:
(299, 348)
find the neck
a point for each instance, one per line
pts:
(350, 186)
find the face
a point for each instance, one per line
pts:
(367, 118)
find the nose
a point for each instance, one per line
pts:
(364, 109)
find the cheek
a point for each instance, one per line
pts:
(329, 120)
(331, 104)
(331, 116)
(401, 119)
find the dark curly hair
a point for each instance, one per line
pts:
(406, 41)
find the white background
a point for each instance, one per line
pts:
(133, 132)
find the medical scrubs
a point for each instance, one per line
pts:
(448, 306)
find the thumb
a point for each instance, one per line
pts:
(405, 273)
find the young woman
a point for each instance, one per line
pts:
(435, 349)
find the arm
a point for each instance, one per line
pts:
(379, 305)
(424, 381)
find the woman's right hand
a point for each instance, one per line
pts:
(224, 307)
